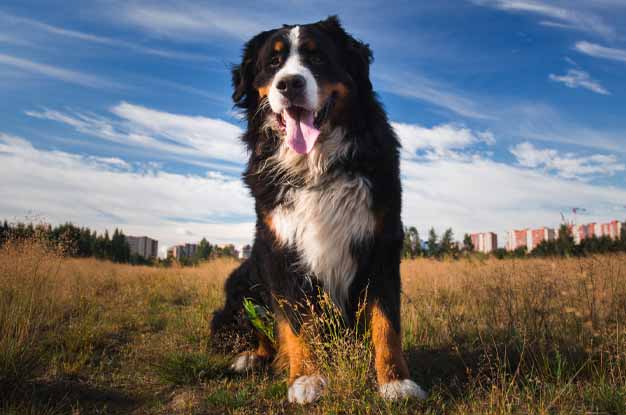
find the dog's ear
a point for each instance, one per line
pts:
(358, 55)
(243, 74)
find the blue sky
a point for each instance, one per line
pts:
(117, 113)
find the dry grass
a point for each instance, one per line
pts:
(512, 336)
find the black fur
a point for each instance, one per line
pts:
(272, 272)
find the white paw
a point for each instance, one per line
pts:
(244, 362)
(402, 389)
(306, 389)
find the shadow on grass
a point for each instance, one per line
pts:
(61, 396)
(455, 370)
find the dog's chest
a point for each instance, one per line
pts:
(322, 224)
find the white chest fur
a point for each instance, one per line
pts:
(321, 223)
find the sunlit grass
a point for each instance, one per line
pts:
(511, 336)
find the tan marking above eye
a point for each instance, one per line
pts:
(310, 45)
(340, 88)
(279, 45)
(264, 91)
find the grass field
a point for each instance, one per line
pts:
(511, 336)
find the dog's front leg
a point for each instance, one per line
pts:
(391, 369)
(305, 384)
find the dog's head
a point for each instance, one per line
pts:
(299, 79)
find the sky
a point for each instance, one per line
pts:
(118, 113)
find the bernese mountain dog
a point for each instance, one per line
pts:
(323, 169)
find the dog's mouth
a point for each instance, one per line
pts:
(302, 126)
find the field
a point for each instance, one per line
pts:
(82, 336)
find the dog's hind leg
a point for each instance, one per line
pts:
(250, 360)
(230, 328)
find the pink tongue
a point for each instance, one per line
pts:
(301, 133)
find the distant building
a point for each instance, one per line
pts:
(485, 242)
(537, 236)
(182, 251)
(143, 246)
(517, 239)
(611, 230)
(245, 252)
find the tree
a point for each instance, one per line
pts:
(565, 241)
(412, 245)
(120, 250)
(5, 232)
(446, 246)
(433, 246)
(204, 250)
(468, 245)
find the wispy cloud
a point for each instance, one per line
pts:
(195, 137)
(104, 193)
(101, 40)
(61, 74)
(13, 40)
(538, 121)
(598, 51)
(441, 141)
(576, 78)
(191, 21)
(418, 87)
(567, 165)
(567, 17)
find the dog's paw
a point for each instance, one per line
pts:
(306, 389)
(402, 389)
(245, 362)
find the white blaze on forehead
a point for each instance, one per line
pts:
(294, 66)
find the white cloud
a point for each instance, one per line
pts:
(61, 74)
(439, 141)
(598, 51)
(569, 16)
(103, 193)
(484, 195)
(576, 78)
(193, 137)
(471, 195)
(566, 165)
(102, 40)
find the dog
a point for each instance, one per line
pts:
(324, 172)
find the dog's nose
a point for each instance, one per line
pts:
(291, 85)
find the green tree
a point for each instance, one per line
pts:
(120, 250)
(432, 245)
(565, 242)
(412, 245)
(204, 250)
(468, 245)
(5, 231)
(446, 245)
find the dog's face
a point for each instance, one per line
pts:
(300, 78)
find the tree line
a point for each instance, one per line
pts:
(563, 245)
(82, 242)
(74, 241)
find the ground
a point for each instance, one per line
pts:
(83, 336)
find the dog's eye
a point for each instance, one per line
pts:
(275, 61)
